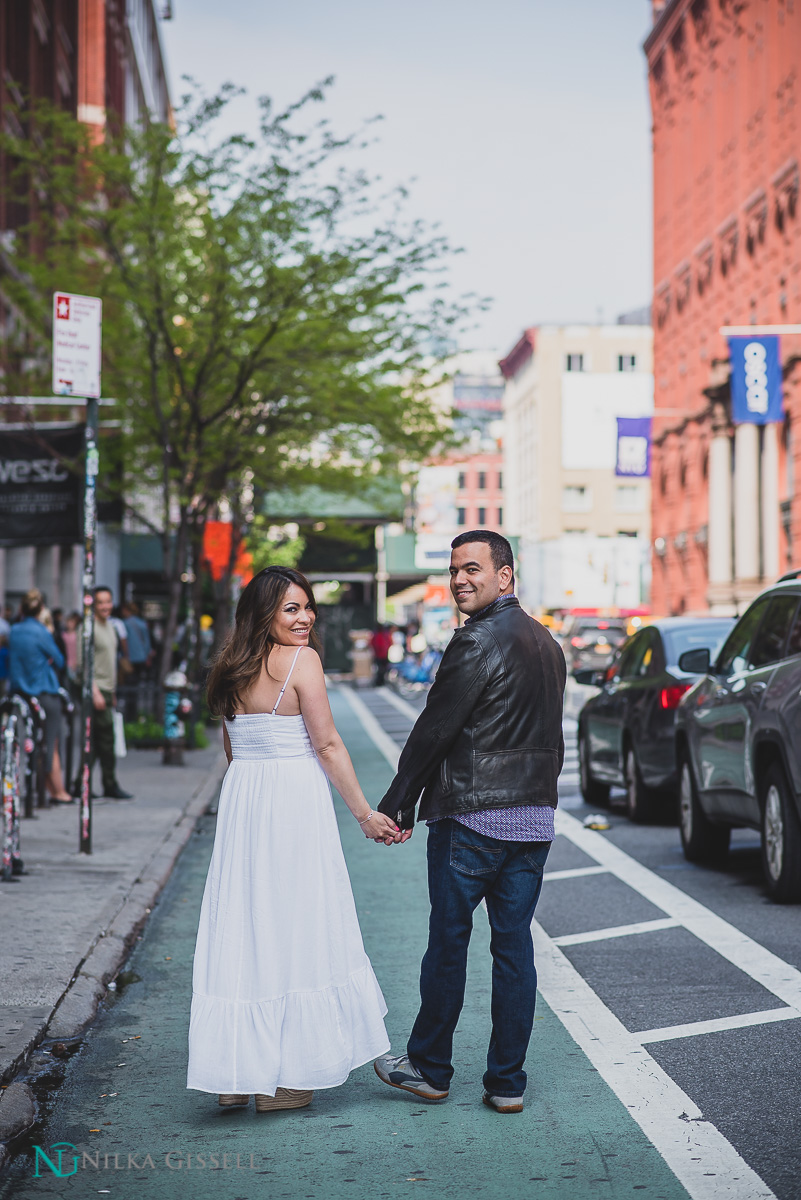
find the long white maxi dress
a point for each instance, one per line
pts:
(284, 994)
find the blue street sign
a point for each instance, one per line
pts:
(756, 379)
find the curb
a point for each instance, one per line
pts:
(77, 1005)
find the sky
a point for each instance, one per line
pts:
(522, 128)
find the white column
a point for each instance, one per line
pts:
(746, 508)
(719, 531)
(770, 503)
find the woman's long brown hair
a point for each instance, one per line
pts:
(237, 665)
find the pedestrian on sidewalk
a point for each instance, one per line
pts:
(284, 996)
(486, 752)
(33, 662)
(104, 687)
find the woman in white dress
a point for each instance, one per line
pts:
(284, 997)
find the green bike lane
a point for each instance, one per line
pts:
(124, 1095)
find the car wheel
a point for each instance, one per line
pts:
(781, 838)
(639, 798)
(701, 841)
(593, 792)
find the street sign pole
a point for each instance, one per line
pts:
(91, 462)
(77, 324)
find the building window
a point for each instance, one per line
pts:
(462, 481)
(576, 498)
(630, 497)
(461, 516)
(482, 481)
(500, 481)
(500, 516)
(627, 533)
(627, 362)
(482, 516)
(574, 362)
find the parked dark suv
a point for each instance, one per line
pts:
(626, 732)
(738, 740)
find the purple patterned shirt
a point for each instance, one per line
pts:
(525, 823)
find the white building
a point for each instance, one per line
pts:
(584, 530)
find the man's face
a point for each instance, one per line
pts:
(103, 605)
(475, 582)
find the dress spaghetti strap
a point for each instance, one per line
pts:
(286, 681)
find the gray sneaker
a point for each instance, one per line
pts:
(503, 1104)
(398, 1072)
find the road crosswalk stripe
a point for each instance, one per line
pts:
(615, 931)
(670, 1033)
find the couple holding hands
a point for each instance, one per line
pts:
(285, 1000)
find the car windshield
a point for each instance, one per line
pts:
(709, 633)
(609, 636)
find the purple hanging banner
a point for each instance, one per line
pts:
(633, 447)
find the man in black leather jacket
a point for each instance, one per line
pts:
(486, 753)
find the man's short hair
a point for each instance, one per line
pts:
(102, 588)
(500, 550)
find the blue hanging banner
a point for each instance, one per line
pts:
(756, 379)
(633, 447)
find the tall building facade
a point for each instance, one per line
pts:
(583, 529)
(724, 86)
(102, 61)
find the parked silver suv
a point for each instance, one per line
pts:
(738, 740)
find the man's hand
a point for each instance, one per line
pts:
(400, 837)
(97, 698)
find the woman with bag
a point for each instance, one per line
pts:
(284, 997)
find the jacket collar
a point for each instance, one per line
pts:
(496, 606)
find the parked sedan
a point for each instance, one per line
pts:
(626, 732)
(738, 742)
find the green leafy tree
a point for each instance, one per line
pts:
(268, 313)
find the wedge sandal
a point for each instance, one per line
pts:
(283, 1098)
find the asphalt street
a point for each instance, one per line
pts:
(663, 1060)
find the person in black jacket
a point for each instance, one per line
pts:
(486, 753)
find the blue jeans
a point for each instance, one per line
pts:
(465, 867)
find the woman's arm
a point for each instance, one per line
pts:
(309, 682)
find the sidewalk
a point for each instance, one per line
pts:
(66, 926)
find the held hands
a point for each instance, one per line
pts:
(378, 827)
(381, 828)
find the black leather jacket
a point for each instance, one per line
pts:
(490, 735)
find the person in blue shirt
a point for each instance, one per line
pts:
(33, 659)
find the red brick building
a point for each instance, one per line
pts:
(724, 85)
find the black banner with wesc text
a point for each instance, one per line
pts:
(41, 475)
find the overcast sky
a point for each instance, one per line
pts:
(523, 124)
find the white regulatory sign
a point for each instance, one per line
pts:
(77, 322)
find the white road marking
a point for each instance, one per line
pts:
(615, 931)
(575, 872)
(697, 1153)
(717, 1025)
(371, 727)
(772, 972)
(400, 704)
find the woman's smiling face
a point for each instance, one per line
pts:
(293, 622)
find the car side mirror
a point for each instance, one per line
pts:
(695, 662)
(589, 677)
